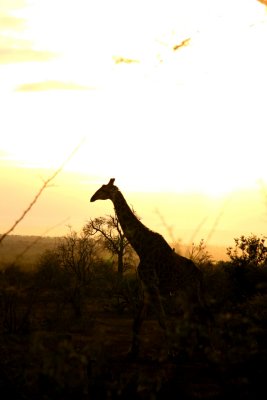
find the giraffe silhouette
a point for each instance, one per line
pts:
(162, 272)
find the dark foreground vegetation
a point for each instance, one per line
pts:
(65, 328)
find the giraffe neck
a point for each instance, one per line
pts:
(133, 229)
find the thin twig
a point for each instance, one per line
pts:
(217, 219)
(43, 187)
(169, 228)
(198, 228)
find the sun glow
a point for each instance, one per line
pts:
(167, 95)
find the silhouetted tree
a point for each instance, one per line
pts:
(77, 254)
(109, 231)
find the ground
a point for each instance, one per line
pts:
(92, 363)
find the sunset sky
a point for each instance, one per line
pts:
(168, 96)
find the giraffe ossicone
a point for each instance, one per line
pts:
(161, 270)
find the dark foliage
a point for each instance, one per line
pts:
(51, 350)
(249, 250)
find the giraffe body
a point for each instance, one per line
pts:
(162, 271)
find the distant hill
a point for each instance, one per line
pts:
(25, 250)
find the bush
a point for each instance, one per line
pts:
(248, 250)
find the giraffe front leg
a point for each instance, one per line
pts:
(137, 324)
(155, 299)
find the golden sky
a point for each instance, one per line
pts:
(167, 96)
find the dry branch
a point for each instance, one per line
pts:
(43, 187)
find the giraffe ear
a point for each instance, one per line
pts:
(111, 181)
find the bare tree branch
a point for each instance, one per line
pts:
(169, 228)
(43, 187)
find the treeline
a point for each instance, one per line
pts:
(99, 264)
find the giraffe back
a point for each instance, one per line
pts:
(160, 265)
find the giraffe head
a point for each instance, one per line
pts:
(105, 192)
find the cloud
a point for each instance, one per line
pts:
(183, 43)
(119, 60)
(12, 4)
(9, 55)
(12, 48)
(8, 22)
(51, 85)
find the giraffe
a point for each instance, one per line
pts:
(161, 270)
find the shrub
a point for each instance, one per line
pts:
(248, 250)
